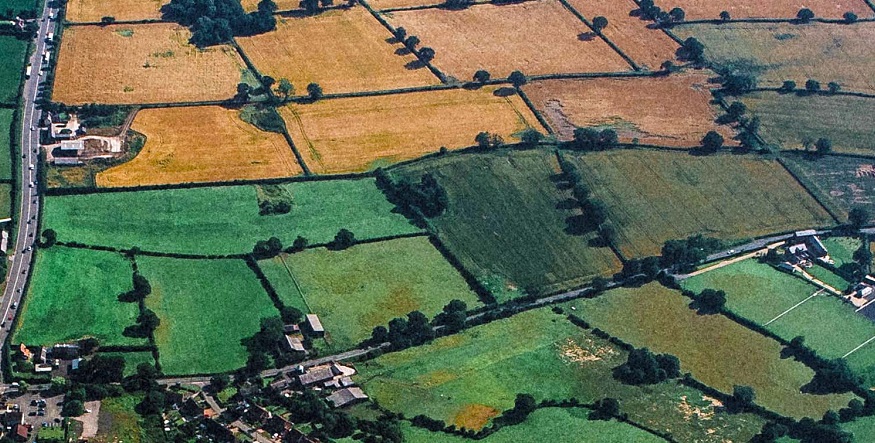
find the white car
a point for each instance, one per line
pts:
(30, 167)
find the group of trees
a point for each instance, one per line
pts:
(453, 317)
(141, 288)
(403, 333)
(594, 214)
(821, 145)
(831, 376)
(711, 142)
(646, 269)
(266, 347)
(710, 301)
(487, 140)
(217, 21)
(267, 248)
(683, 254)
(646, 368)
(427, 197)
(748, 134)
(650, 11)
(590, 139)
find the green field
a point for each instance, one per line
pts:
(654, 196)
(73, 295)
(830, 278)
(367, 285)
(840, 183)
(132, 359)
(760, 293)
(504, 223)
(221, 220)
(119, 422)
(775, 52)
(5, 200)
(17, 5)
(6, 143)
(561, 424)
(716, 350)
(863, 429)
(467, 378)
(787, 119)
(13, 53)
(841, 249)
(206, 307)
(754, 290)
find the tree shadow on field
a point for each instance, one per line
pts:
(504, 92)
(587, 36)
(561, 181)
(392, 40)
(578, 225)
(414, 65)
(567, 204)
(402, 51)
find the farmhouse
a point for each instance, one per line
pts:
(805, 248)
(347, 396)
(315, 375)
(72, 146)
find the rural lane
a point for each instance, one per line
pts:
(28, 211)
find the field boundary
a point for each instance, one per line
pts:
(793, 21)
(535, 111)
(808, 190)
(437, 73)
(145, 21)
(601, 35)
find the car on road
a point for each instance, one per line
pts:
(30, 167)
(14, 305)
(32, 128)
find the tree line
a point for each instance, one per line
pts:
(217, 21)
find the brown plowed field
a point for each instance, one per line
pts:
(94, 10)
(201, 144)
(357, 134)
(710, 9)
(538, 37)
(343, 51)
(646, 47)
(151, 63)
(667, 111)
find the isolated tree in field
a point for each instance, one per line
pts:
(858, 217)
(267, 81)
(531, 137)
(486, 140)
(400, 34)
(691, 50)
(343, 240)
(805, 15)
(833, 87)
(788, 86)
(50, 237)
(481, 76)
(411, 42)
(812, 85)
(243, 91)
(268, 6)
(850, 17)
(426, 54)
(599, 23)
(711, 301)
(712, 142)
(677, 14)
(285, 87)
(300, 243)
(823, 145)
(314, 91)
(517, 79)
(267, 248)
(724, 15)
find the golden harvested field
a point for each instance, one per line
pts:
(357, 134)
(282, 5)
(342, 50)
(783, 51)
(389, 4)
(710, 9)
(201, 144)
(667, 111)
(646, 47)
(537, 37)
(151, 63)
(94, 10)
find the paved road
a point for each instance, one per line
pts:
(19, 269)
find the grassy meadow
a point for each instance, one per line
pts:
(505, 221)
(118, 422)
(221, 220)
(716, 350)
(13, 52)
(840, 183)
(563, 425)
(6, 143)
(73, 295)
(654, 196)
(206, 307)
(788, 119)
(467, 378)
(385, 280)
